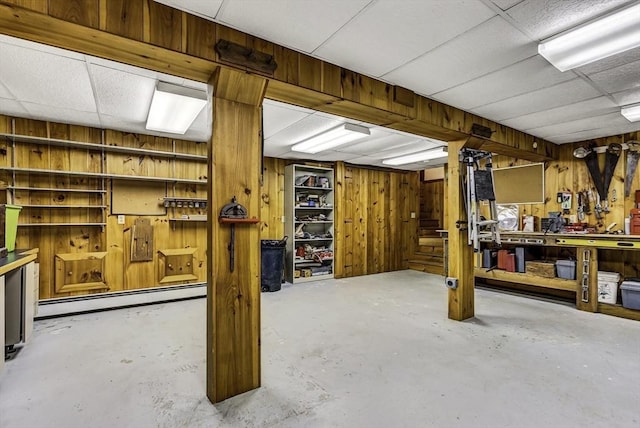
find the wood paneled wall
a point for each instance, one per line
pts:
(374, 231)
(431, 206)
(114, 239)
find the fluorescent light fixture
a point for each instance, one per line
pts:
(432, 154)
(331, 138)
(609, 35)
(631, 113)
(174, 108)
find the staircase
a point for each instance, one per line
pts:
(429, 256)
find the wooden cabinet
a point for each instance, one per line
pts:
(309, 209)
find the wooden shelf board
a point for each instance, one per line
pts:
(102, 175)
(527, 279)
(618, 311)
(100, 147)
(315, 222)
(188, 219)
(61, 206)
(61, 224)
(52, 189)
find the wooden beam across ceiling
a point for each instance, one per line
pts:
(159, 38)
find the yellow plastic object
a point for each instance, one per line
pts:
(11, 226)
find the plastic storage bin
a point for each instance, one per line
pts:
(566, 269)
(272, 264)
(608, 287)
(631, 294)
(11, 213)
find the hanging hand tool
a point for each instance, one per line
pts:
(233, 213)
(591, 159)
(633, 155)
(598, 208)
(610, 162)
(580, 208)
(586, 202)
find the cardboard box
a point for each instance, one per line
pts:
(296, 273)
(541, 268)
(306, 273)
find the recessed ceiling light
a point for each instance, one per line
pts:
(632, 112)
(174, 108)
(437, 153)
(331, 138)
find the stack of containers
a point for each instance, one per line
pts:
(608, 287)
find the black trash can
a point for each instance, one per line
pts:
(272, 255)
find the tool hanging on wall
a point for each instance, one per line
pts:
(478, 186)
(564, 199)
(633, 155)
(580, 208)
(234, 213)
(602, 183)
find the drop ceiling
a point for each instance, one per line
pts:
(477, 55)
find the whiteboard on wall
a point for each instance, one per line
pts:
(523, 184)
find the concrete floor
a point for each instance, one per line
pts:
(374, 351)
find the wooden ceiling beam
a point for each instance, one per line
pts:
(163, 39)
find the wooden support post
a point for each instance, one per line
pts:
(233, 298)
(592, 262)
(460, 258)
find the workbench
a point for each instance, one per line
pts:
(28, 292)
(586, 248)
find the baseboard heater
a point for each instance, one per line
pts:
(98, 302)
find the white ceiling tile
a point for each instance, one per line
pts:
(525, 76)
(614, 61)
(506, 4)
(618, 79)
(411, 29)
(486, 48)
(280, 116)
(545, 18)
(327, 156)
(624, 98)
(564, 93)
(606, 131)
(593, 107)
(12, 108)
(204, 8)
(39, 47)
(5, 93)
(592, 123)
(302, 25)
(379, 141)
(122, 94)
(29, 74)
(62, 115)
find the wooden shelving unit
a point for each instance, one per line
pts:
(309, 222)
(20, 183)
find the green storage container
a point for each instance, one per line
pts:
(11, 226)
